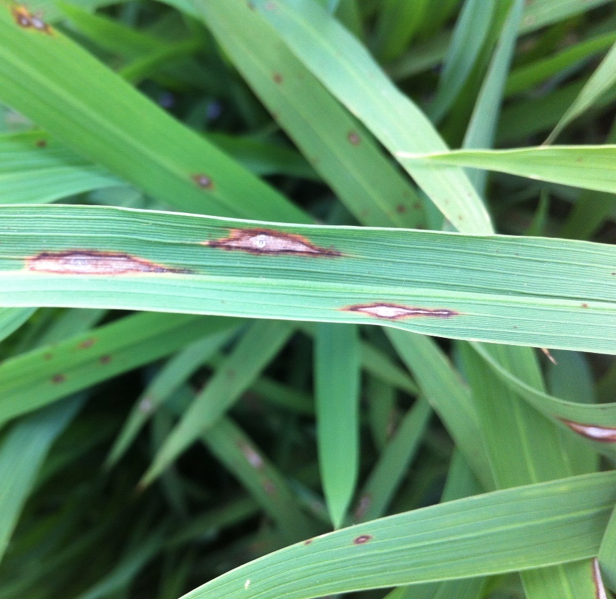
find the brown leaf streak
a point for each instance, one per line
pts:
(592, 431)
(264, 241)
(92, 262)
(27, 20)
(360, 540)
(397, 312)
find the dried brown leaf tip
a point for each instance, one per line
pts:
(92, 262)
(27, 20)
(592, 431)
(265, 241)
(398, 312)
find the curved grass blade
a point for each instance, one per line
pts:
(587, 167)
(337, 384)
(350, 73)
(131, 136)
(526, 291)
(599, 82)
(505, 531)
(12, 318)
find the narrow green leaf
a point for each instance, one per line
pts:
(131, 136)
(251, 355)
(393, 463)
(22, 452)
(600, 81)
(177, 370)
(588, 167)
(260, 477)
(351, 75)
(469, 35)
(342, 152)
(337, 378)
(525, 527)
(11, 319)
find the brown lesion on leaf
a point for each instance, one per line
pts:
(277, 77)
(27, 20)
(94, 262)
(203, 181)
(361, 539)
(594, 432)
(86, 343)
(269, 487)
(389, 311)
(252, 457)
(266, 241)
(41, 143)
(354, 138)
(56, 379)
(105, 359)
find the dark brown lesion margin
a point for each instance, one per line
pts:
(269, 242)
(94, 262)
(27, 20)
(390, 311)
(594, 432)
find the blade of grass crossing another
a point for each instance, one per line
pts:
(350, 73)
(257, 347)
(12, 318)
(342, 152)
(260, 477)
(504, 531)
(337, 382)
(131, 136)
(22, 452)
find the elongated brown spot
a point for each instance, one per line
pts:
(600, 592)
(253, 458)
(397, 312)
(56, 379)
(91, 262)
(360, 540)
(592, 431)
(308, 541)
(277, 77)
(269, 487)
(41, 143)
(265, 241)
(105, 359)
(25, 19)
(203, 181)
(87, 343)
(48, 356)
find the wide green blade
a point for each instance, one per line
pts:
(524, 528)
(527, 291)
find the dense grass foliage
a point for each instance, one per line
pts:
(301, 298)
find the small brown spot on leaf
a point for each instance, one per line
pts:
(584, 305)
(41, 143)
(354, 138)
(265, 241)
(56, 379)
(308, 541)
(361, 539)
(400, 208)
(397, 312)
(203, 181)
(87, 343)
(277, 77)
(252, 457)
(592, 431)
(270, 487)
(92, 262)
(105, 359)
(27, 20)
(47, 356)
